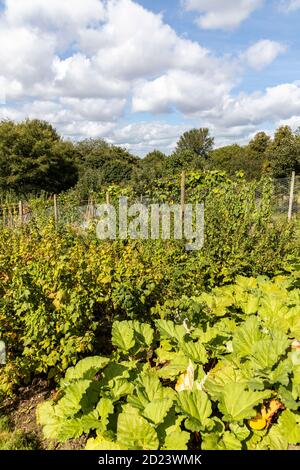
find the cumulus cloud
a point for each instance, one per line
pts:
(276, 103)
(293, 122)
(145, 136)
(215, 14)
(84, 68)
(263, 53)
(187, 92)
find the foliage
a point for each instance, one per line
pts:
(60, 291)
(228, 382)
(34, 157)
(197, 141)
(11, 439)
(283, 152)
(102, 164)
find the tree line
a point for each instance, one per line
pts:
(35, 158)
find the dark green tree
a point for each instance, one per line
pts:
(197, 141)
(283, 153)
(184, 159)
(33, 157)
(101, 163)
(231, 158)
(151, 167)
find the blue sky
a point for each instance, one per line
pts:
(139, 73)
(267, 22)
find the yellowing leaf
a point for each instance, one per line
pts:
(258, 423)
(186, 380)
(263, 419)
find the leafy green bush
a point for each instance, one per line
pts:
(60, 290)
(229, 382)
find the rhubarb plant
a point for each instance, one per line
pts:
(229, 381)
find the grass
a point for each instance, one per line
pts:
(11, 439)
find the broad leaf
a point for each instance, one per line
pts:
(169, 330)
(123, 336)
(85, 369)
(237, 404)
(100, 443)
(157, 410)
(246, 336)
(135, 433)
(197, 407)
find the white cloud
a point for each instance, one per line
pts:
(224, 14)
(187, 92)
(263, 53)
(54, 14)
(290, 5)
(276, 103)
(145, 136)
(86, 65)
(293, 122)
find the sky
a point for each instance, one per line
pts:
(140, 73)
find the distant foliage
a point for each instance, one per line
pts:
(33, 157)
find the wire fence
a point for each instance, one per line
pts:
(285, 204)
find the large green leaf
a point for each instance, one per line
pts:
(46, 417)
(157, 410)
(274, 440)
(71, 402)
(267, 351)
(225, 372)
(100, 443)
(246, 336)
(174, 366)
(112, 372)
(169, 330)
(105, 408)
(143, 333)
(123, 336)
(90, 422)
(70, 429)
(195, 351)
(289, 426)
(219, 301)
(57, 427)
(149, 389)
(85, 369)
(237, 404)
(135, 433)
(176, 439)
(121, 388)
(197, 407)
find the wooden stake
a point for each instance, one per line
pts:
(55, 209)
(291, 201)
(21, 212)
(182, 193)
(107, 198)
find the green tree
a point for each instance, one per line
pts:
(231, 158)
(184, 159)
(33, 157)
(283, 153)
(101, 163)
(197, 141)
(260, 143)
(152, 167)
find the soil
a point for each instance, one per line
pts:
(22, 414)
